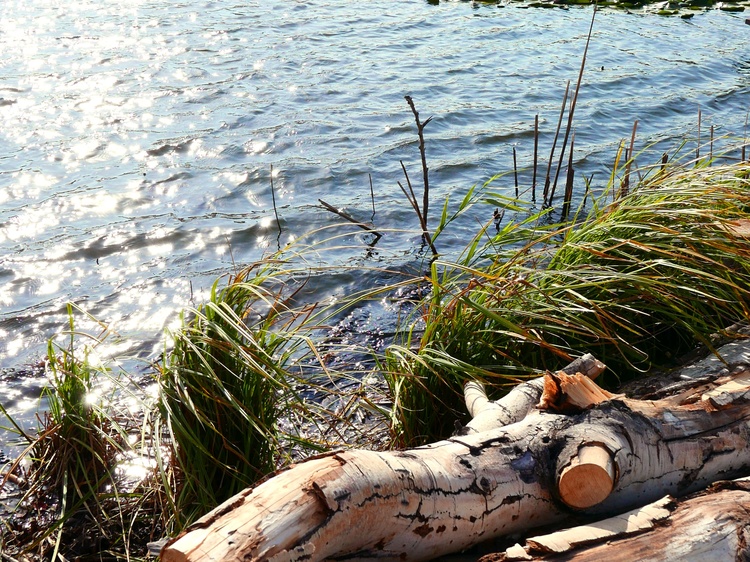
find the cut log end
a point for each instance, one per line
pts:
(589, 478)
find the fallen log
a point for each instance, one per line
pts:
(583, 451)
(710, 525)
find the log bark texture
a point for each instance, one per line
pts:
(441, 498)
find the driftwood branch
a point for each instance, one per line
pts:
(517, 404)
(346, 216)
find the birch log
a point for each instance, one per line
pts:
(441, 498)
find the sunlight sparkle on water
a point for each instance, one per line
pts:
(29, 225)
(160, 250)
(256, 147)
(136, 467)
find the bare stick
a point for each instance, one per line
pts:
(372, 197)
(348, 217)
(412, 198)
(573, 104)
(711, 145)
(425, 170)
(554, 142)
(415, 205)
(698, 148)
(515, 170)
(273, 198)
(569, 181)
(536, 155)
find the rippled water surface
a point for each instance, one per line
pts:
(138, 136)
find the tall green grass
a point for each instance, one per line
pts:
(637, 282)
(222, 389)
(230, 387)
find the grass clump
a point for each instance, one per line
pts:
(222, 388)
(226, 383)
(85, 506)
(637, 282)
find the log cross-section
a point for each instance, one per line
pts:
(441, 498)
(589, 478)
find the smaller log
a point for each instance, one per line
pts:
(476, 399)
(709, 525)
(620, 526)
(516, 405)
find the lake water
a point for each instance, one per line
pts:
(138, 137)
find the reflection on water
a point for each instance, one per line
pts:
(138, 136)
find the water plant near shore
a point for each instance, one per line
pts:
(236, 387)
(638, 282)
(223, 385)
(74, 479)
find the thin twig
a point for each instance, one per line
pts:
(273, 198)
(698, 148)
(554, 142)
(12, 478)
(536, 155)
(410, 195)
(348, 217)
(573, 102)
(515, 170)
(372, 198)
(415, 205)
(425, 169)
(569, 181)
